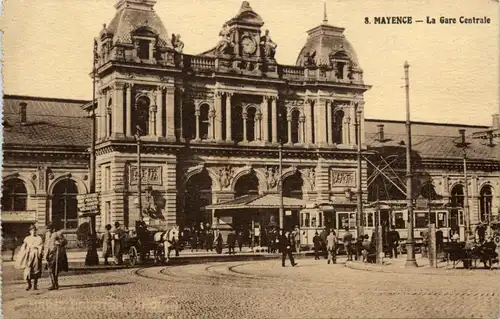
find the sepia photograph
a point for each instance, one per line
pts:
(250, 159)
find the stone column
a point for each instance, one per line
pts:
(289, 121)
(265, 117)
(245, 127)
(153, 110)
(329, 110)
(274, 120)
(197, 116)
(128, 110)
(211, 128)
(117, 130)
(109, 121)
(229, 135)
(258, 127)
(170, 110)
(218, 115)
(347, 130)
(159, 112)
(352, 130)
(309, 122)
(302, 131)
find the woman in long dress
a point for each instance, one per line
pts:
(106, 244)
(29, 258)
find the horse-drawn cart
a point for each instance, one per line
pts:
(145, 247)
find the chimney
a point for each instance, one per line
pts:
(23, 120)
(380, 133)
(496, 122)
(490, 138)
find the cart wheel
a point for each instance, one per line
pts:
(132, 256)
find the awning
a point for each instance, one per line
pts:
(265, 201)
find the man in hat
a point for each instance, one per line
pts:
(286, 248)
(56, 257)
(119, 238)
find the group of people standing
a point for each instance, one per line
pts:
(36, 251)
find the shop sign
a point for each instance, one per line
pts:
(227, 220)
(343, 178)
(18, 216)
(88, 203)
(288, 213)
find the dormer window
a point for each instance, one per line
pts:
(145, 41)
(340, 62)
(143, 49)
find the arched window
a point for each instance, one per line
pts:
(142, 115)
(337, 129)
(247, 185)
(64, 204)
(251, 112)
(457, 196)
(295, 126)
(485, 201)
(198, 194)
(292, 186)
(204, 121)
(14, 195)
(109, 118)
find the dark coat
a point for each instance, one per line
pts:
(318, 242)
(285, 243)
(231, 239)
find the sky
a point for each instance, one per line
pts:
(454, 68)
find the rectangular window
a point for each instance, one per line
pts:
(143, 53)
(420, 220)
(107, 178)
(343, 219)
(369, 220)
(320, 219)
(399, 221)
(441, 219)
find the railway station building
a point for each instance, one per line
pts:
(210, 127)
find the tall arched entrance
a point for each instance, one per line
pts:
(292, 187)
(198, 194)
(246, 185)
(65, 204)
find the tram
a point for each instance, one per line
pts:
(448, 220)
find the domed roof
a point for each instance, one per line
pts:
(323, 42)
(133, 15)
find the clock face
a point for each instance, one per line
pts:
(248, 45)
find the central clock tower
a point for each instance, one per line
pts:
(245, 28)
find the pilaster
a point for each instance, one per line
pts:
(102, 115)
(159, 112)
(170, 110)
(118, 111)
(265, 119)
(218, 115)
(170, 214)
(274, 124)
(309, 122)
(229, 132)
(128, 110)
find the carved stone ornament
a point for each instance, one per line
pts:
(149, 175)
(226, 43)
(226, 175)
(343, 178)
(272, 177)
(268, 46)
(33, 176)
(310, 175)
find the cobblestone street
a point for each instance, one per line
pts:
(255, 289)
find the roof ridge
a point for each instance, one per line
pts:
(426, 123)
(42, 98)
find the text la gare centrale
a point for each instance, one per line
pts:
(427, 20)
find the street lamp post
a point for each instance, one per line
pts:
(410, 242)
(359, 193)
(139, 173)
(280, 184)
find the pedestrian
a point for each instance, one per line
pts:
(271, 246)
(142, 235)
(219, 243)
(231, 242)
(107, 248)
(57, 260)
(29, 258)
(331, 246)
(317, 245)
(210, 236)
(481, 232)
(194, 240)
(323, 236)
(241, 238)
(347, 240)
(285, 241)
(296, 239)
(366, 247)
(119, 243)
(393, 242)
(359, 246)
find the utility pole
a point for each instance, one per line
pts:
(281, 210)
(463, 144)
(410, 242)
(91, 259)
(359, 194)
